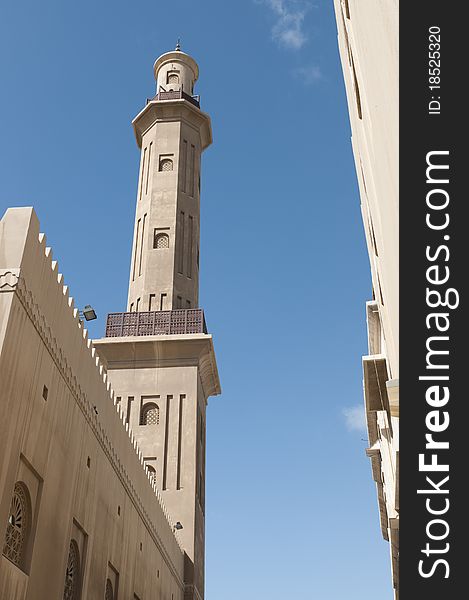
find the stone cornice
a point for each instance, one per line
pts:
(172, 110)
(176, 56)
(163, 351)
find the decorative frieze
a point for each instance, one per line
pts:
(8, 280)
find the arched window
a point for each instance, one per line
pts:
(172, 78)
(150, 414)
(152, 472)
(166, 164)
(161, 240)
(109, 593)
(72, 573)
(19, 525)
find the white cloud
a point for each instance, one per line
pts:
(288, 29)
(354, 418)
(308, 75)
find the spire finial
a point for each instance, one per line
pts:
(178, 45)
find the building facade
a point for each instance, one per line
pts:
(368, 45)
(102, 444)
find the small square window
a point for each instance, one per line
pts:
(165, 163)
(160, 239)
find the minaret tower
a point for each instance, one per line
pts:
(171, 132)
(160, 359)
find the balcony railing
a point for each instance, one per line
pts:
(164, 322)
(176, 95)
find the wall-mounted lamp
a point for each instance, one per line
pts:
(88, 313)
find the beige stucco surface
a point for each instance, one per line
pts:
(168, 202)
(110, 505)
(368, 45)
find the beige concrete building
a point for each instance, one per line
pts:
(368, 44)
(102, 444)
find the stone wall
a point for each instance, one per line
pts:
(63, 439)
(368, 36)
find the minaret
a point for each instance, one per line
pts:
(160, 359)
(171, 132)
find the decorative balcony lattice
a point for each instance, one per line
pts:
(176, 95)
(164, 322)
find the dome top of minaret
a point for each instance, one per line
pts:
(174, 65)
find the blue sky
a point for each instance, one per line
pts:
(291, 507)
